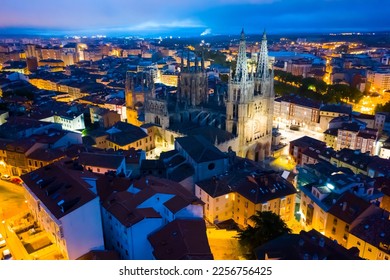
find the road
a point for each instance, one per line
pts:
(11, 204)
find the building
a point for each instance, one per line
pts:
(297, 111)
(249, 106)
(124, 136)
(379, 80)
(104, 163)
(147, 206)
(307, 245)
(181, 239)
(206, 159)
(298, 146)
(243, 190)
(66, 207)
(331, 111)
(348, 209)
(371, 236)
(103, 117)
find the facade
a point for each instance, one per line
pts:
(148, 205)
(243, 190)
(371, 236)
(66, 207)
(379, 80)
(331, 111)
(124, 136)
(298, 146)
(296, 110)
(249, 106)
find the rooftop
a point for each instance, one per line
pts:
(199, 149)
(57, 187)
(181, 239)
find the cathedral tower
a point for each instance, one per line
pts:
(249, 106)
(192, 84)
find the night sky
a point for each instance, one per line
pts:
(184, 17)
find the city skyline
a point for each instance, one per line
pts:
(188, 18)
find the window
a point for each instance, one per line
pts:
(358, 243)
(369, 250)
(246, 204)
(347, 228)
(335, 221)
(211, 166)
(216, 208)
(333, 230)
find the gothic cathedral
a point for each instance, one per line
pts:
(249, 106)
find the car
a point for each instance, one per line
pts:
(16, 181)
(5, 177)
(6, 255)
(2, 241)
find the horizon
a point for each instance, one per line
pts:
(189, 19)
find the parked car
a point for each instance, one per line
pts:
(16, 181)
(2, 241)
(5, 177)
(6, 255)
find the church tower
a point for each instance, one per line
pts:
(192, 84)
(131, 112)
(249, 106)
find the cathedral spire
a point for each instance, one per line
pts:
(241, 74)
(262, 71)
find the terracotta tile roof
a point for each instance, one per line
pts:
(123, 205)
(181, 240)
(46, 155)
(110, 161)
(375, 230)
(349, 207)
(57, 187)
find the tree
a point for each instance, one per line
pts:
(266, 227)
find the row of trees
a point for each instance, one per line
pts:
(287, 83)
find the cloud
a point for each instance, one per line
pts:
(206, 32)
(153, 25)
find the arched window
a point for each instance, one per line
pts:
(157, 120)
